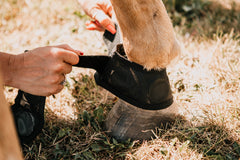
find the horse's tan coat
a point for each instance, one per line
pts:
(148, 35)
(9, 144)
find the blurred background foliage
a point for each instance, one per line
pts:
(204, 17)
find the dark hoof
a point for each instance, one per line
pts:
(28, 113)
(125, 121)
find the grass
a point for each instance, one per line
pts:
(205, 82)
(205, 18)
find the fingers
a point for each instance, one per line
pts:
(67, 47)
(55, 84)
(109, 9)
(62, 68)
(55, 79)
(54, 90)
(94, 25)
(101, 11)
(104, 20)
(67, 54)
(69, 57)
(62, 79)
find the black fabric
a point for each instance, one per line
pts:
(131, 82)
(28, 112)
(95, 62)
(108, 35)
(112, 40)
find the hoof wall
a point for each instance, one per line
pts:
(126, 121)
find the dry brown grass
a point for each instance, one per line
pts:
(207, 86)
(205, 81)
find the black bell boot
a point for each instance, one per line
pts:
(146, 100)
(129, 81)
(28, 112)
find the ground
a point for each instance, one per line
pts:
(205, 82)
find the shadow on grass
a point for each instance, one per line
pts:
(84, 138)
(213, 141)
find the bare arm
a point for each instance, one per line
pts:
(39, 71)
(5, 60)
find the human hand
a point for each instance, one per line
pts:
(41, 71)
(101, 11)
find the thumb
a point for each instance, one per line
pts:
(104, 20)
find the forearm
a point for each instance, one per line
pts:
(6, 67)
(9, 64)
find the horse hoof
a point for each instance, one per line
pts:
(28, 113)
(126, 121)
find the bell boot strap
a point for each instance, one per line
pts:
(98, 63)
